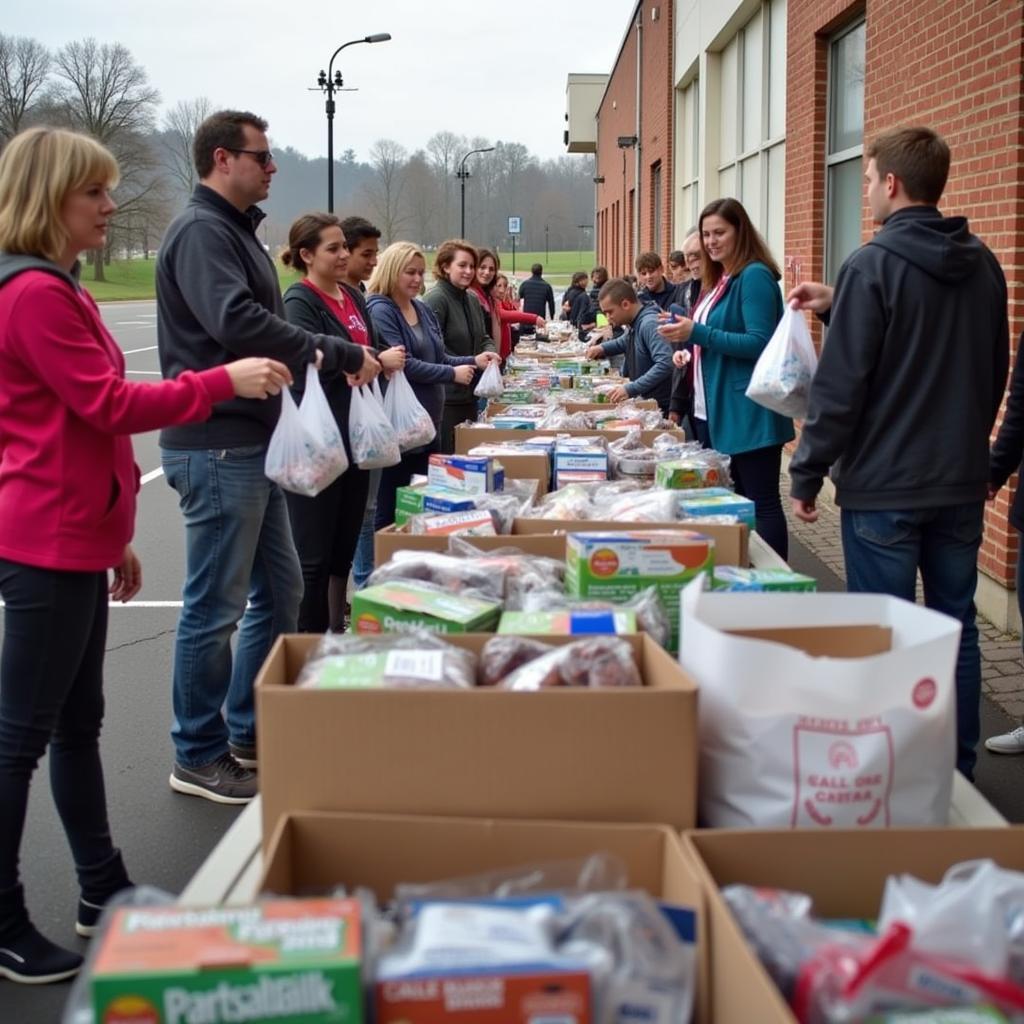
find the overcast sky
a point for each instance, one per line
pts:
(484, 68)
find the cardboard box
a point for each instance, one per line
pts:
(312, 852)
(578, 622)
(164, 964)
(464, 473)
(479, 523)
(500, 408)
(732, 542)
(719, 505)
(732, 577)
(389, 540)
(469, 436)
(616, 565)
(843, 871)
(413, 499)
(401, 605)
(623, 755)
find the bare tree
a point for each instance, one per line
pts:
(422, 193)
(24, 69)
(105, 93)
(384, 192)
(444, 149)
(180, 125)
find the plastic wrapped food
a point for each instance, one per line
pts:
(650, 506)
(479, 523)
(455, 575)
(502, 655)
(370, 433)
(703, 468)
(415, 659)
(490, 384)
(597, 662)
(651, 615)
(413, 426)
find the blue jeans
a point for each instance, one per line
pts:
(363, 563)
(883, 551)
(241, 572)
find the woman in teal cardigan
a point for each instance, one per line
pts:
(740, 306)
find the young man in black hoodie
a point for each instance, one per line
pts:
(905, 396)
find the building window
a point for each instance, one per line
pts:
(752, 120)
(656, 207)
(844, 147)
(688, 133)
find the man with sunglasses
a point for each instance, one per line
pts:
(218, 299)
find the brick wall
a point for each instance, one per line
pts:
(959, 70)
(616, 117)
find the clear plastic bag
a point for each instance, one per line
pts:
(373, 441)
(782, 376)
(503, 654)
(598, 662)
(413, 426)
(647, 605)
(306, 452)
(463, 576)
(490, 384)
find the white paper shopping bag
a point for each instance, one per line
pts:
(849, 723)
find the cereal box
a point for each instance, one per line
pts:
(401, 605)
(465, 473)
(411, 501)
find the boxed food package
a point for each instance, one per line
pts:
(626, 754)
(732, 577)
(616, 565)
(416, 499)
(475, 523)
(579, 460)
(461, 473)
(727, 504)
(689, 472)
(568, 622)
(294, 959)
(393, 607)
(311, 851)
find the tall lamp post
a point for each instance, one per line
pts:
(330, 82)
(462, 174)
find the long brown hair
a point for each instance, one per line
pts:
(750, 246)
(481, 255)
(305, 234)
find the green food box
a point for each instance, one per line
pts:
(288, 960)
(615, 566)
(569, 622)
(402, 605)
(684, 473)
(414, 499)
(732, 577)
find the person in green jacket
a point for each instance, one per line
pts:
(740, 306)
(462, 324)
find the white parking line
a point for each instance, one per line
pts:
(134, 604)
(135, 351)
(152, 475)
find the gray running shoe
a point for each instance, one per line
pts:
(223, 781)
(244, 755)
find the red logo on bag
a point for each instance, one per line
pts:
(842, 755)
(924, 693)
(604, 562)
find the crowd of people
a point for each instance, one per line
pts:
(907, 391)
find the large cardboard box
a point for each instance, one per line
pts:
(498, 408)
(389, 540)
(843, 871)
(584, 755)
(315, 852)
(467, 437)
(732, 541)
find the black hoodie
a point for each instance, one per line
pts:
(912, 371)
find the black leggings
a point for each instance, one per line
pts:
(756, 476)
(51, 693)
(326, 531)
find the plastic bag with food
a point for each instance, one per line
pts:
(598, 662)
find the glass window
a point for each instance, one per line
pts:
(753, 84)
(750, 188)
(846, 113)
(776, 234)
(729, 70)
(846, 181)
(727, 181)
(777, 69)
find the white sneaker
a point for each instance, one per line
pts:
(1009, 743)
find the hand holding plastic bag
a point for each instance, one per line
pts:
(782, 377)
(374, 445)
(413, 426)
(306, 453)
(490, 385)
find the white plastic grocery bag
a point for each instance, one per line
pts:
(788, 739)
(490, 384)
(413, 426)
(373, 441)
(782, 377)
(306, 452)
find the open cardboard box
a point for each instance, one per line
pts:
(499, 408)
(469, 436)
(843, 871)
(389, 540)
(314, 852)
(626, 754)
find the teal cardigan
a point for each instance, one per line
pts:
(737, 330)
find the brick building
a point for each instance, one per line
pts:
(634, 142)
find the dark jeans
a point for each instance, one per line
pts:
(326, 530)
(452, 416)
(399, 476)
(884, 550)
(51, 693)
(756, 476)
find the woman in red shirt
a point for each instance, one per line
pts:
(68, 485)
(498, 316)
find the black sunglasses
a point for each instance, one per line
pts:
(261, 156)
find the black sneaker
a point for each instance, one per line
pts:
(223, 781)
(32, 959)
(244, 755)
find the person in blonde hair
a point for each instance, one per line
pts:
(400, 317)
(68, 485)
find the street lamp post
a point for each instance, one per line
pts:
(330, 82)
(462, 174)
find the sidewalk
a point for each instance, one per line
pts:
(1002, 671)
